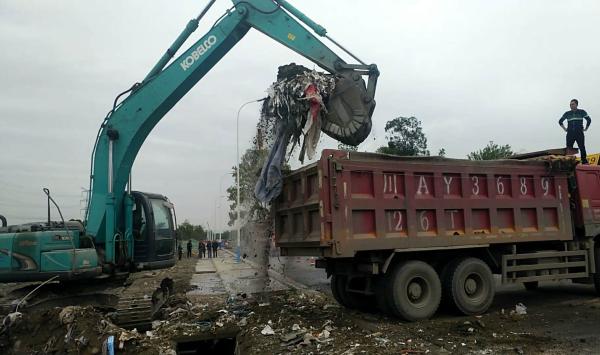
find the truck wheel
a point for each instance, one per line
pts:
(597, 274)
(335, 290)
(414, 290)
(531, 285)
(338, 289)
(469, 285)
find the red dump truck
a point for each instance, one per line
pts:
(405, 233)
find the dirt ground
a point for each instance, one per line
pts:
(560, 319)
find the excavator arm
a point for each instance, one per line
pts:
(128, 124)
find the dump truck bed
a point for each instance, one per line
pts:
(349, 202)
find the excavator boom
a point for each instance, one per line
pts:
(129, 123)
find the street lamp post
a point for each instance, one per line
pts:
(218, 220)
(237, 145)
(220, 196)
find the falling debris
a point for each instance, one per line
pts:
(292, 113)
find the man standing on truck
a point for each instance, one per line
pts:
(575, 128)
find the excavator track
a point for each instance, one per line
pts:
(137, 308)
(134, 312)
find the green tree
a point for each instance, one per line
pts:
(189, 231)
(228, 235)
(491, 151)
(404, 136)
(251, 163)
(185, 230)
(442, 152)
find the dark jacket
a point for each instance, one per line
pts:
(575, 120)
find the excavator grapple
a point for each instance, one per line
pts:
(349, 111)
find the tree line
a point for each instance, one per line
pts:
(187, 231)
(405, 137)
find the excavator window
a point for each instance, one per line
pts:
(164, 233)
(162, 215)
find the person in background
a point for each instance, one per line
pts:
(575, 128)
(180, 251)
(201, 249)
(189, 248)
(209, 249)
(215, 246)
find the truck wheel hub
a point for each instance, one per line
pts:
(470, 286)
(415, 291)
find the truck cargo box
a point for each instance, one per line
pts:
(349, 202)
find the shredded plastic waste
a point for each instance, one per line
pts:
(292, 113)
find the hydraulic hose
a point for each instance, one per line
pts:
(47, 192)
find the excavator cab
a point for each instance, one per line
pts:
(154, 232)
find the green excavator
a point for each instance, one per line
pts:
(125, 230)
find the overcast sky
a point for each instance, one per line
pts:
(471, 71)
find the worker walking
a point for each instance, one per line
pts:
(575, 128)
(209, 249)
(215, 246)
(180, 251)
(189, 248)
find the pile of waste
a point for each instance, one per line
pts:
(559, 163)
(72, 329)
(292, 113)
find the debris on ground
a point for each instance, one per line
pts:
(267, 330)
(297, 322)
(520, 309)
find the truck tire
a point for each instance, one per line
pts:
(597, 274)
(335, 290)
(383, 303)
(414, 290)
(346, 299)
(469, 286)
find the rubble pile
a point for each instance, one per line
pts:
(72, 329)
(286, 322)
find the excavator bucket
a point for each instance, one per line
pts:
(349, 110)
